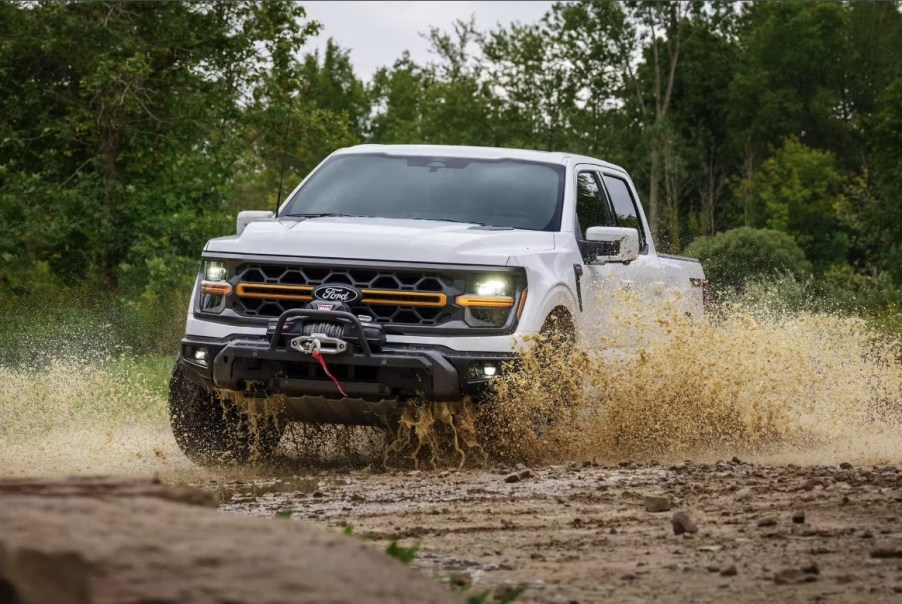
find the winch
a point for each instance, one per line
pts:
(325, 333)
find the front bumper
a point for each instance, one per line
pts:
(251, 366)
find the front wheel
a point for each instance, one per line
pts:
(213, 431)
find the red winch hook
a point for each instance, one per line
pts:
(319, 357)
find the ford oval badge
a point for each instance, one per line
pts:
(336, 293)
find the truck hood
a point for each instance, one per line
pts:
(397, 240)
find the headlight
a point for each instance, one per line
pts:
(493, 287)
(214, 286)
(215, 271)
(488, 301)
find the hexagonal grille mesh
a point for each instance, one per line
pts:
(405, 287)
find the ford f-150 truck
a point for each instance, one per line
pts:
(396, 274)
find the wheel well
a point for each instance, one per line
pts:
(561, 321)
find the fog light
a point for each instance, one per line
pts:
(200, 356)
(489, 371)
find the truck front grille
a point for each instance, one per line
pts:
(408, 297)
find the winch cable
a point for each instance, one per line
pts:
(319, 357)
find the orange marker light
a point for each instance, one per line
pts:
(217, 288)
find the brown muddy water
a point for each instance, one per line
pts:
(766, 406)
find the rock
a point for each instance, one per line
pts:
(682, 523)
(811, 569)
(92, 540)
(712, 568)
(722, 467)
(798, 517)
(743, 494)
(518, 476)
(846, 465)
(765, 522)
(793, 576)
(886, 551)
(729, 571)
(657, 503)
(736, 461)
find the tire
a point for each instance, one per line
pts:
(558, 341)
(212, 431)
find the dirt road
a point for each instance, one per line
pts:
(582, 533)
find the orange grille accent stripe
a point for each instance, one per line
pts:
(269, 292)
(400, 298)
(485, 301)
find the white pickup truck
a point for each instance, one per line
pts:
(395, 274)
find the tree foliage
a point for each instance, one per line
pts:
(733, 257)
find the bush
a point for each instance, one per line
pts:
(733, 257)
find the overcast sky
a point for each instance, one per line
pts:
(378, 32)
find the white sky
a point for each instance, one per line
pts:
(378, 32)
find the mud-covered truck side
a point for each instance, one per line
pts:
(394, 274)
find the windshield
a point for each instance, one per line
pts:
(502, 193)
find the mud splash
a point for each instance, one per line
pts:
(87, 416)
(816, 388)
(772, 387)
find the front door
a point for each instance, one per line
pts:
(612, 291)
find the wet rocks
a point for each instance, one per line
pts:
(729, 571)
(887, 551)
(518, 475)
(657, 503)
(683, 523)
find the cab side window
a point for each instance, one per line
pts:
(625, 210)
(591, 205)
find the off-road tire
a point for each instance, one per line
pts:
(212, 431)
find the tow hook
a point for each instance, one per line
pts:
(318, 343)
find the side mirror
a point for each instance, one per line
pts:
(612, 244)
(249, 216)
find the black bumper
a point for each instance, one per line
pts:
(257, 369)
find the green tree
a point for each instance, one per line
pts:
(799, 191)
(733, 257)
(121, 123)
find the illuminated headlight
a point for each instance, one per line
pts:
(215, 271)
(488, 301)
(493, 287)
(214, 286)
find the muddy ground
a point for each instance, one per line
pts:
(582, 533)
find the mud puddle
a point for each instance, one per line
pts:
(583, 533)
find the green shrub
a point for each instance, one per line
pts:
(733, 257)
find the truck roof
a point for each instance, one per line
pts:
(554, 157)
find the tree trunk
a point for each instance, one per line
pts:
(654, 178)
